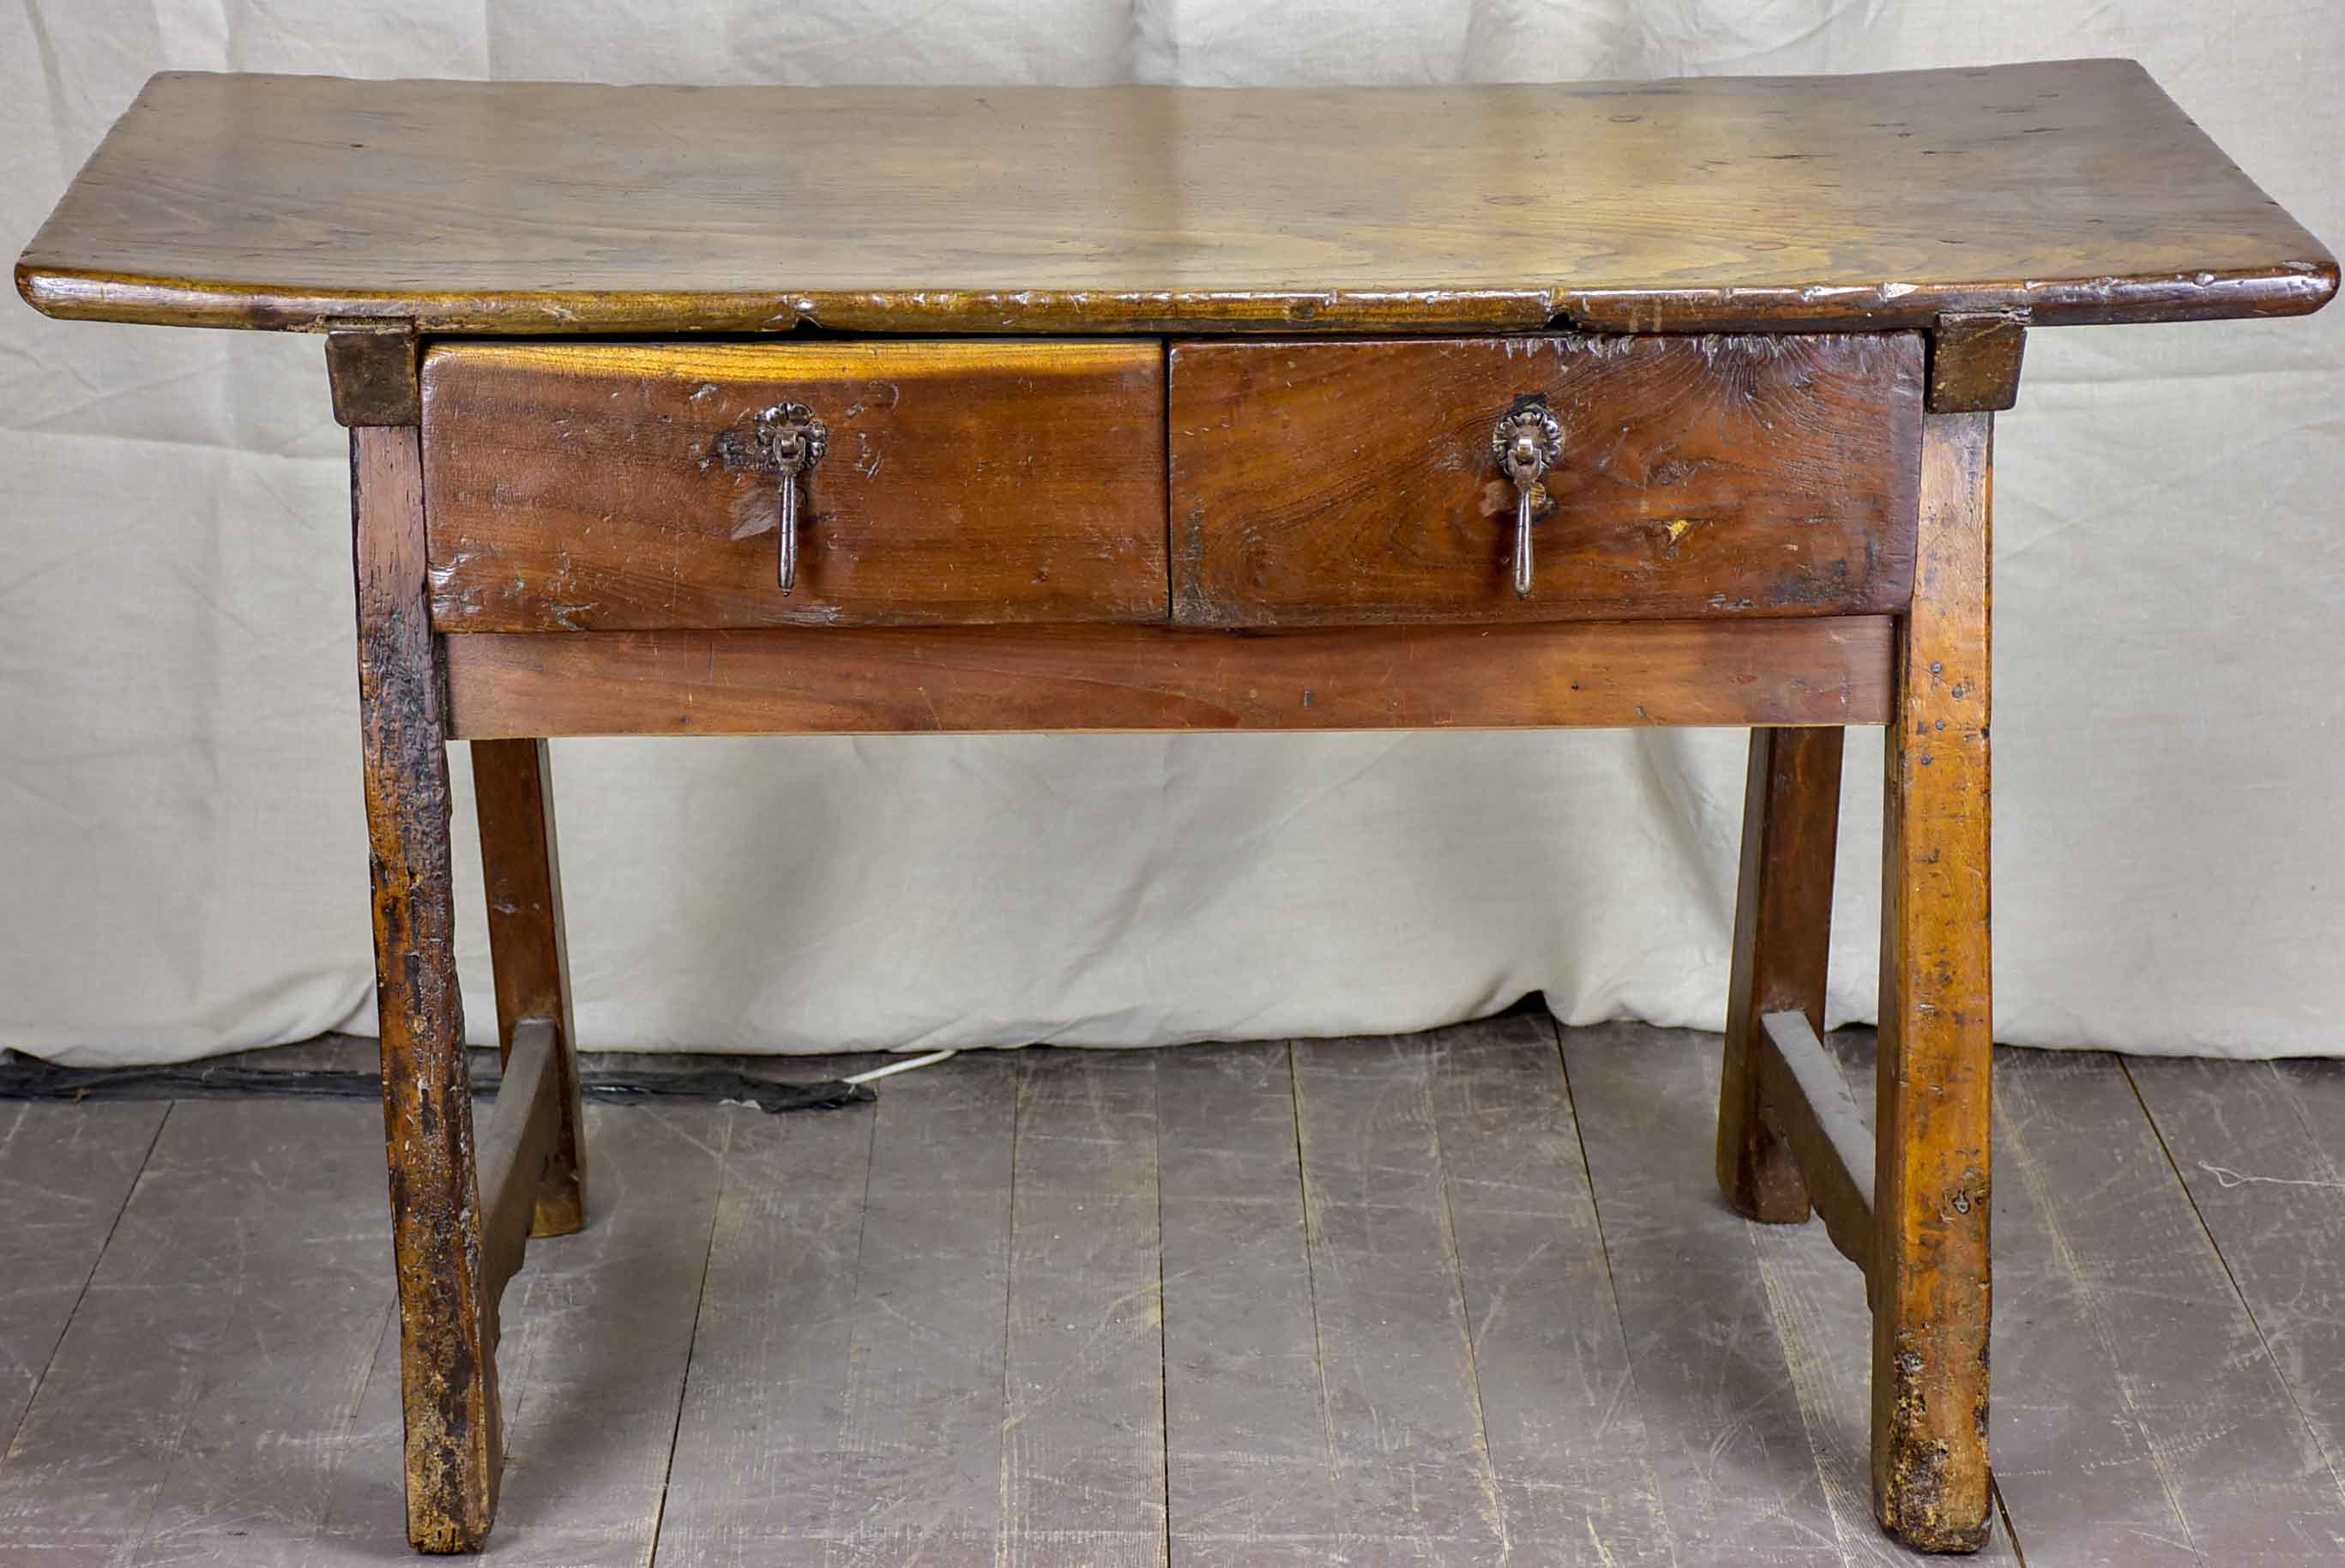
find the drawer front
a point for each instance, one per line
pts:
(1333, 483)
(603, 487)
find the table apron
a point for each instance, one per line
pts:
(1080, 679)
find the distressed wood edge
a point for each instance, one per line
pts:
(1155, 679)
(452, 1439)
(1803, 1097)
(514, 1153)
(1933, 1075)
(2293, 287)
(375, 370)
(1974, 362)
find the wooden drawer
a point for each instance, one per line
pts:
(1321, 484)
(606, 486)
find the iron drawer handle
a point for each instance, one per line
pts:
(795, 441)
(1527, 442)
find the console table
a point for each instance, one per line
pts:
(681, 412)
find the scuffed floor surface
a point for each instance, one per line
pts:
(1462, 1298)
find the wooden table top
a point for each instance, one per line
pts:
(2077, 191)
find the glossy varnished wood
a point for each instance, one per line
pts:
(790, 681)
(2077, 191)
(606, 487)
(1337, 483)
(454, 1442)
(1934, 1077)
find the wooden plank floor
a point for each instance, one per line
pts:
(1461, 1297)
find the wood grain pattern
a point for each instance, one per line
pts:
(529, 950)
(2224, 1470)
(1930, 1283)
(758, 1450)
(372, 368)
(845, 1425)
(514, 1150)
(1782, 945)
(1406, 1445)
(66, 1173)
(1807, 1099)
(1737, 1478)
(2085, 1478)
(1824, 1320)
(2260, 1148)
(918, 1468)
(2167, 1395)
(2077, 191)
(1337, 483)
(1974, 363)
(454, 1448)
(1250, 1471)
(197, 1409)
(1082, 1453)
(1070, 679)
(614, 486)
(597, 1335)
(1568, 1438)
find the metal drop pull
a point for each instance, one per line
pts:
(795, 441)
(1527, 442)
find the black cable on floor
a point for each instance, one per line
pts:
(30, 1078)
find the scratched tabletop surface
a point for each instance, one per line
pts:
(2075, 190)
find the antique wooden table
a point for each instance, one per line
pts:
(686, 411)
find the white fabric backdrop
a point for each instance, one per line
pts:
(181, 847)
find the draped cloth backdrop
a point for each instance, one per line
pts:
(182, 845)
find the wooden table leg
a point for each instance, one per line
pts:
(1929, 1277)
(447, 1339)
(512, 787)
(1782, 938)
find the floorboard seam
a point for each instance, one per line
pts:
(1457, 1261)
(1611, 1284)
(1164, 1351)
(1021, 1081)
(847, 1393)
(2290, 1086)
(136, 1542)
(1311, 1267)
(1588, 1172)
(2010, 1530)
(213, 1485)
(2287, 1385)
(691, 1343)
(2064, 1253)
(49, 1361)
(1814, 1417)
(324, 1528)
